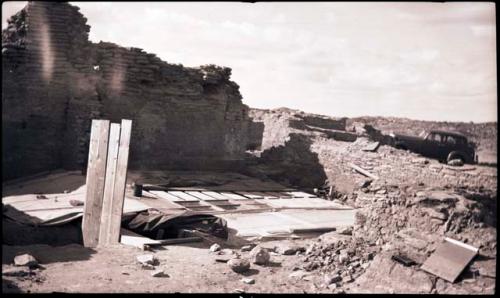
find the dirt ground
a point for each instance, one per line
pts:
(192, 268)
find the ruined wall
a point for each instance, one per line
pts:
(280, 123)
(55, 81)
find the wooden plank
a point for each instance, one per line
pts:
(98, 149)
(184, 196)
(166, 196)
(270, 195)
(362, 171)
(120, 180)
(281, 194)
(214, 195)
(201, 196)
(233, 196)
(250, 194)
(301, 194)
(114, 141)
(130, 238)
(180, 240)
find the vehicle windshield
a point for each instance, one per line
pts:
(422, 134)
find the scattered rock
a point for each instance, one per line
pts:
(246, 248)
(76, 203)
(346, 230)
(215, 247)
(239, 265)
(147, 259)
(223, 259)
(260, 255)
(25, 260)
(159, 273)
(290, 250)
(330, 279)
(249, 281)
(226, 251)
(147, 267)
(299, 274)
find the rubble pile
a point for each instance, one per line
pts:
(341, 260)
(396, 167)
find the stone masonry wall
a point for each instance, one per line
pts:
(55, 81)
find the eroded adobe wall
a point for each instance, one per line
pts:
(55, 81)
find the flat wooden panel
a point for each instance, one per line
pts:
(201, 196)
(301, 194)
(98, 149)
(130, 238)
(251, 195)
(233, 196)
(280, 195)
(166, 196)
(184, 196)
(114, 142)
(449, 259)
(120, 179)
(214, 195)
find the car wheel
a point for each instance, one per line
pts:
(401, 147)
(455, 158)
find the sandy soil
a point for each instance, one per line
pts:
(191, 268)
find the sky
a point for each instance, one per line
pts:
(420, 60)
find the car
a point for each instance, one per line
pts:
(440, 144)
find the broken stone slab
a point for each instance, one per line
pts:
(215, 247)
(239, 265)
(260, 256)
(345, 230)
(25, 260)
(249, 281)
(290, 249)
(147, 259)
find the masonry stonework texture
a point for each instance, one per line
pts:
(55, 81)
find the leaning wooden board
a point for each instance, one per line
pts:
(96, 170)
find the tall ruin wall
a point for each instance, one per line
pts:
(55, 81)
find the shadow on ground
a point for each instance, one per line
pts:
(292, 164)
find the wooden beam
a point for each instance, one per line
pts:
(114, 142)
(96, 169)
(119, 184)
(364, 172)
(180, 240)
(130, 238)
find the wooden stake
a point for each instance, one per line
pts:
(96, 169)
